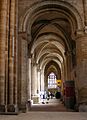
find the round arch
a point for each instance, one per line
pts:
(41, 5)
(47, 60)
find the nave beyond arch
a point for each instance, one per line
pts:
(38, 38)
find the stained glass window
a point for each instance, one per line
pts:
(52, 80)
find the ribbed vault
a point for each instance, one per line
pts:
(52, 28)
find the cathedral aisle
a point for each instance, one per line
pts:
(51, 105)
(43, 54)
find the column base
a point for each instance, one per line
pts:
(8, 109)
(22, 108)
(2, 108)
(69, 102)
(29, 103)
(12, 108)
(35, 99)
(83, 107)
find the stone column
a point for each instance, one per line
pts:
(12, 57)
(16, 57)
(19, 68)
(65, 69)
(42, 80)
(68, 64)
(23, 71)
(38, 86)
(34, 82)
(11, 52)
(62, 72)
(3, 16)
(29, 80)
(81, 52)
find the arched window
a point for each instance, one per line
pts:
(52, 80)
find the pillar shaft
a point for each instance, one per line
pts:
(3, 13)
(65, 70)
(42, 80)
(16, 55)
(24, 71)
(81, 49)
(34, 80)
(38, 85)
(68, 61)
(29, 80)
(11, 51)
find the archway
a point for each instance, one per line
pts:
(50, 39)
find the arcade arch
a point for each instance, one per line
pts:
(51, 29)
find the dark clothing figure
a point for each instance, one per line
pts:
(43, 96)
(58, 95)
(51, 94)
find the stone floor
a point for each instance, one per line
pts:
(51, 111)
(46, 116)
(52, 105)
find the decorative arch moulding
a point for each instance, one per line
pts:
(38, 6)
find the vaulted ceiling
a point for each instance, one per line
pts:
(52, 27)
(51, 32)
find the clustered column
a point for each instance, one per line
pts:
(11, 52)
(8, 55)
(3, 13)
(12, 57)
(37, 81)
